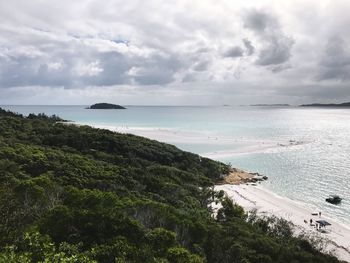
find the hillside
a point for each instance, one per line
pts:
(78, 194)
(270, 105)
(331, 105)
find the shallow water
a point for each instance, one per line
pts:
(254, 138)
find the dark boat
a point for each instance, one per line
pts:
(333, 199)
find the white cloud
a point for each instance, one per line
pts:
(55, 65)
(90, 69)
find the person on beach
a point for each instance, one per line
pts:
(310, 221)
(319, 214)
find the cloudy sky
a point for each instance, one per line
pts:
(174, 52)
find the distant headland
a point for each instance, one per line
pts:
(105, 106)
(330, 105)
(270, 105)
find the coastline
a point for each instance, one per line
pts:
(267, 203)
(237, 176)
(237, 146)
(254, 196)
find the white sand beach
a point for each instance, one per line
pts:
(267, 203)
(238, 146)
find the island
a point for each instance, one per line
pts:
(106, 106)
(330, 105)
(270, 105)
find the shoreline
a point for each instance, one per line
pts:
(237, 176)
(245, 192)
(238, 146)
(267, 203)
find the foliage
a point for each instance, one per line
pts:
(78, 194)
(39, 248)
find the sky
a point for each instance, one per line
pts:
(198, 52)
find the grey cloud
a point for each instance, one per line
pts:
(276, 47)
(234, 52)
(112, 67)
(189, 78)
(238, 51)
(155, 77)
(250, 49)
(335, 62)
(158, 70)
(280, 67)
(277, 51)
(25, 71)
(201, 66)
(316, 92)
(259, 21)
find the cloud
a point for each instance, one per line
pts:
(250, 49)
(234, 52)
(201, 65)
(335, 62)
(27, 71)
(90, 69)
(277, 46)
(184, 48)
(75, 63)
(259, 21)
(237, 51)
(276, 51)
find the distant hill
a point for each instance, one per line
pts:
(269, 105)
(331, 105)
(105, 106)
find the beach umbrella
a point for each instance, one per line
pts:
(323, 223)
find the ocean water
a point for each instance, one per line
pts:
(305, 152)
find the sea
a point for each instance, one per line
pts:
(305, 152)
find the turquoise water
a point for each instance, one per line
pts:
(318, 166)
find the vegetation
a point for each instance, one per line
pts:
(106, 106)
(329, 105)
(78, 194)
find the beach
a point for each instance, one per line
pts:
(240, 187)
(267, 203)
(237, 146)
